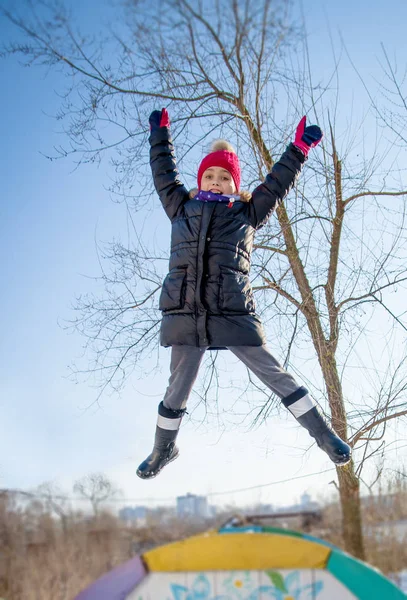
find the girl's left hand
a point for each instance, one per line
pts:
(307, 137)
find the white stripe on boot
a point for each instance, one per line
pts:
(169, 424)
(302, 406)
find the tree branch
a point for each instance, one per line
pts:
(368, 428)
(363, 194)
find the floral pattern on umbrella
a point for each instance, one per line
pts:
(242, 587)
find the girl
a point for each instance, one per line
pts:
(206, 298)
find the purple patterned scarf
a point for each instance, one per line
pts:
(211, 197)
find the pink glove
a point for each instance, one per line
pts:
(159, 119)
(307, 137)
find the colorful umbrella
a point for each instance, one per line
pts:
(244, 563)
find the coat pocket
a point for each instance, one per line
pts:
(173, 291)
(235, 292)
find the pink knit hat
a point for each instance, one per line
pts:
(223, 157)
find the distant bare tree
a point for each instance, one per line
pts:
(97, 488)
(54, 502)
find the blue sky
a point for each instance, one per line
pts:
(51, 218)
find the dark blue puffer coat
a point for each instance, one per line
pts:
(206, 298)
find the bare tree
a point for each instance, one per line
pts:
(391, 105)
(55, 502)
(97, 488)
(336, 250)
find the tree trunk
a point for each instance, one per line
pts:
(325, 349)
(351, 512)
(348, 481)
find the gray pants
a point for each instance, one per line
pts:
(185, 362)
(184, 367)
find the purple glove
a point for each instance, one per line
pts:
(159, 118)
(307, 137)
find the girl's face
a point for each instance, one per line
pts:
(218, 181)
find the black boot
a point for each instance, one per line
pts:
(302, 406)
(160, 456)
(326, 438)
(165, 450)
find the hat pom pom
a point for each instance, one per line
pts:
(222, 145)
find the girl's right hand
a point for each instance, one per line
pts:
(159, 119)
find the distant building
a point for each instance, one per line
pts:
(306, 503)
(260, 509)
(134, 515)
(305, 500)
(162, 514)
(192, 506)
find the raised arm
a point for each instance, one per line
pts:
(269, 194)
(171, 191)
